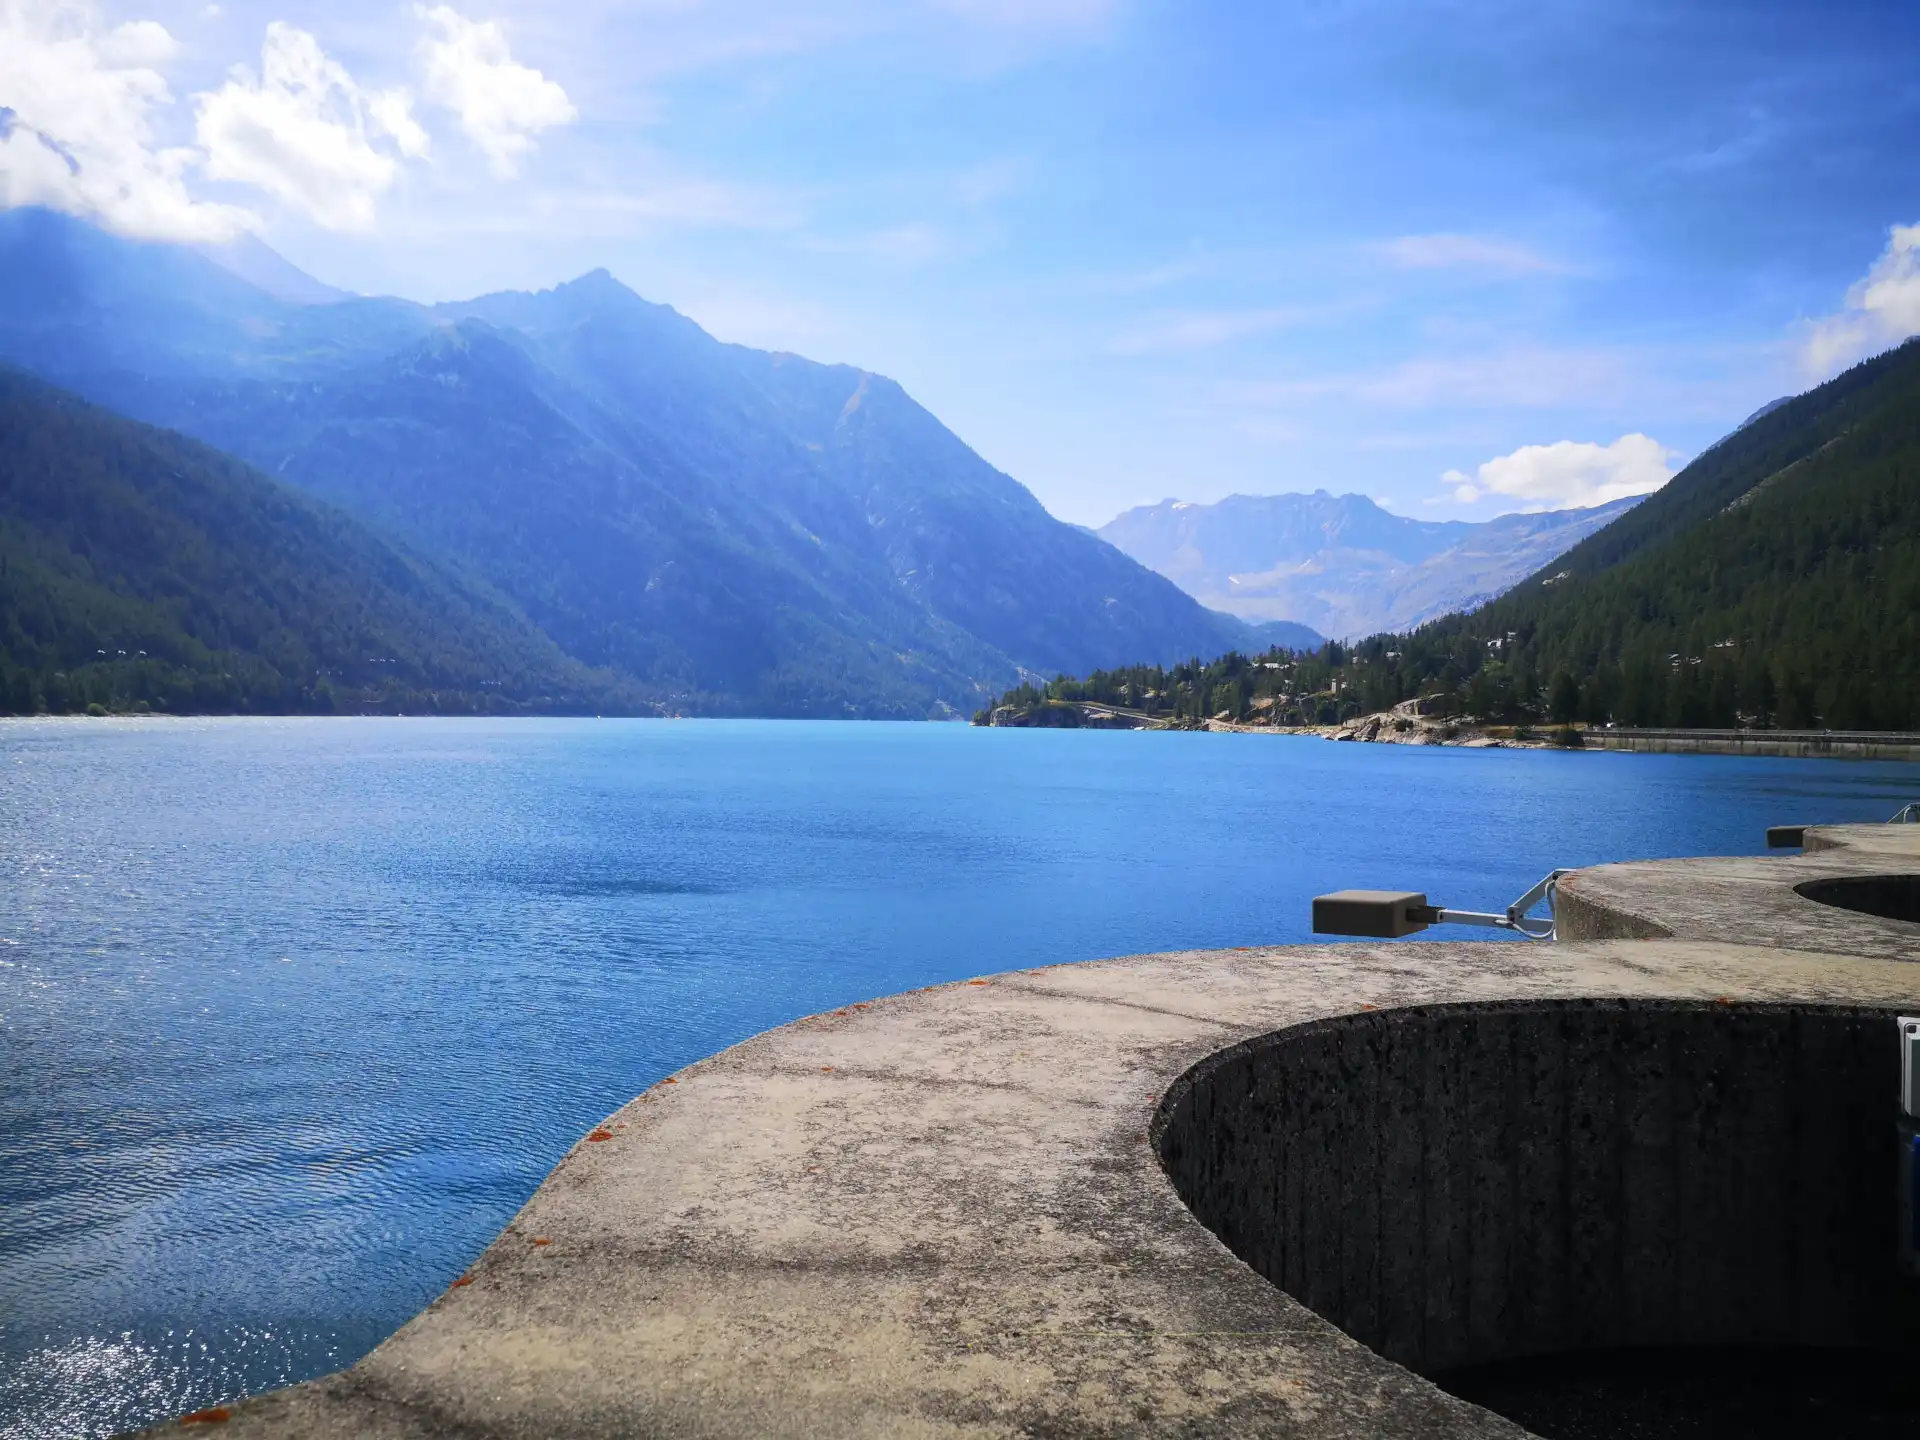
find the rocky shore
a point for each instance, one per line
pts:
(1402, 725)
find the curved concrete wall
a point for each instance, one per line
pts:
(1578, 918)
(947, 1213)
(1892, 897)
(1460, 1184)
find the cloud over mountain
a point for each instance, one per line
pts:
(501, 103)
(304, 132)
(1568, 474)
(1882, 309)
(89, 124)
(79, 106)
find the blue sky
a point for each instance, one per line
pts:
(1463, 257)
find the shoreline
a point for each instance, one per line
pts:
(1380, 728)
(1404, 725)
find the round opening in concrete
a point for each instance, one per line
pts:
(1561, 1209)
(1892, 897)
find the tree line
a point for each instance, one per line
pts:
(1773, 583)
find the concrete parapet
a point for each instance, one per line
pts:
(1749, 899)
(1798, 744)
(960, 1211)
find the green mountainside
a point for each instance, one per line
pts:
(1774, 581)
(734, 531)
(140, 569)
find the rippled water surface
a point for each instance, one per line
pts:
(294, 1014)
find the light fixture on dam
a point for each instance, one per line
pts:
(1390, 914)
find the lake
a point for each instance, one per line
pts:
(294, 1014)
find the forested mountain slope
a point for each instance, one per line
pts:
(140, 568)
(735, 530)
(1774, 581)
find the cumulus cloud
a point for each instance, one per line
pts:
(79, 112)
(89, 125)
(1882, 309)
(303, 131)
(1569, 474)
(501, 103)
(1463, 252)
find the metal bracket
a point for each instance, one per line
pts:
(1390, 914)
(1516, 917)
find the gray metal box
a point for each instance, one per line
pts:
(1910, 1066)
(1378, 914)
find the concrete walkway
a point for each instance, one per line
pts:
(939, 1214)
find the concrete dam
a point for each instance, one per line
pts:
(1292, 1191)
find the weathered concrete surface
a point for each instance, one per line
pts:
(1464, 1184)
(1748, 898)
(940, 1214)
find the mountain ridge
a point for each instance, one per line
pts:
(1343, 565)
(141, 568)
(736, 530)
(1774, 582)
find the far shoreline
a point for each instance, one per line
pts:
(1377, 729)
(1404, 724)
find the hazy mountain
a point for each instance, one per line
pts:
(733, 528)
(137, 565)
(1340, 563)
(1774, 580)
(266, 269)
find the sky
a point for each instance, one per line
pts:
(1463, 256)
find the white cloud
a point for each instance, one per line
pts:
(1882, 309)
(86, 110)
(392, 112)
(1569, 474)
(304, 132)
(1463, 252)
(1031, 14)
(1534, 377)
(501, 103)
(1183, 330)
(79, 105)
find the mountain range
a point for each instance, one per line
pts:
(141, 569)
(1775, 581)
(1340, 563)
(712, 527)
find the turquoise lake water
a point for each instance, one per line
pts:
(294, 1014)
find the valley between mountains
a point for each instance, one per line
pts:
(227, 487)
(704, 527)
